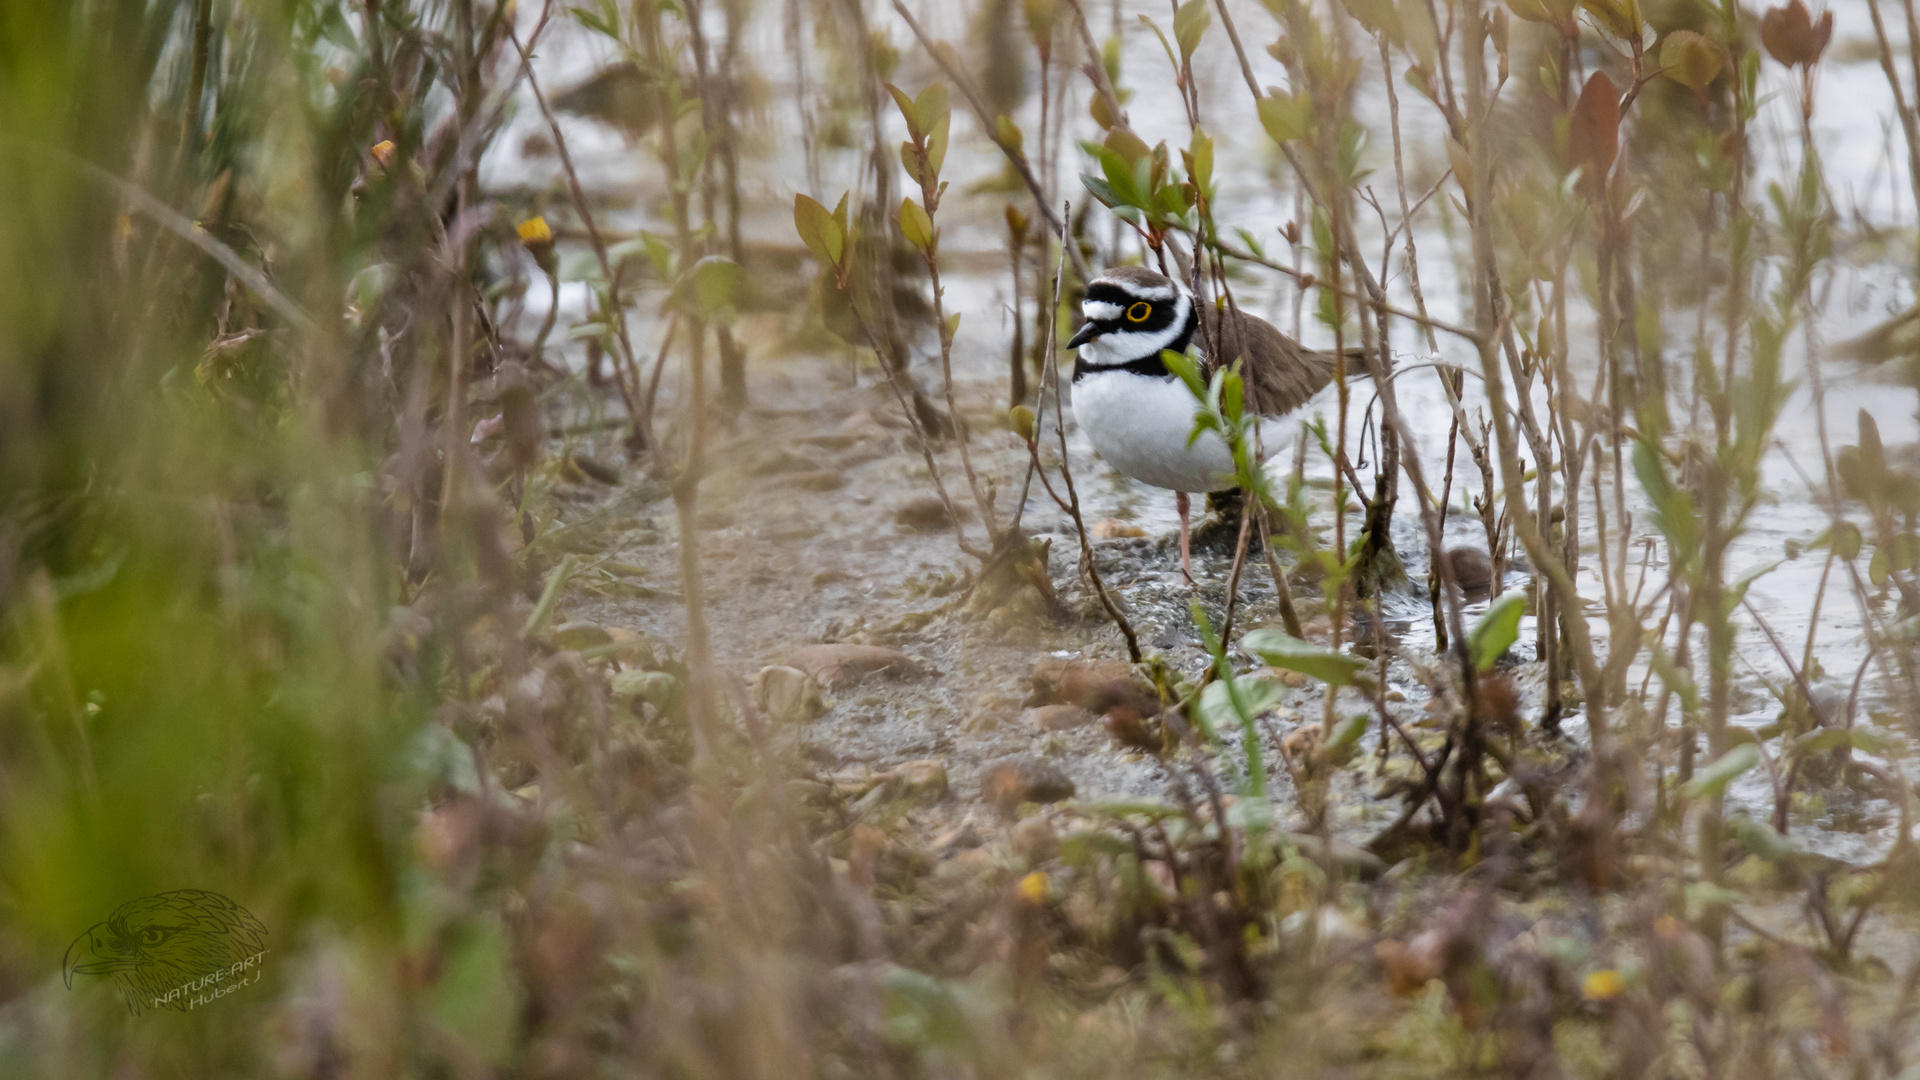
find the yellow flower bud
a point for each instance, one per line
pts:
(1603, 985)
(1034, 888)
(537, 237)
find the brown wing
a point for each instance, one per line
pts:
(1280, 374)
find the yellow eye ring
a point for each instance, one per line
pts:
(1139, 312)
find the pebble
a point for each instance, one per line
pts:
(1010, 783)
(843, 663)
(1349, 860)
(1034, 840)
(1114, 529)
(1046, 718)
(1091, 684)
(922, 513)
(654, 687)
(1472, 569)
(924, 779)
(788, 695)
(581, 635)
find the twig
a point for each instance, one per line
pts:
(992, 131)
(1071, 504)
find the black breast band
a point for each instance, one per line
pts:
(1151, 366)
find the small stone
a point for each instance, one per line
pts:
(1035, 841)
(1293, 680)
(1114, 529)
(1472, 569)
(817, 480)
(922, 513)
(854, 782)
(1302, 745)
(581, 635)
(714, 519)
(925, 779)
(843, 663)
(1130, 729)
(595, 469)
(1010, 783)
(788, 695)
(631, 647)
(1090, 684)
(1348, 860)
(657, 688)
(1047, 783)
(962, 837)
(1056, 718)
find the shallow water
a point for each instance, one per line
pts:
(1851, 127)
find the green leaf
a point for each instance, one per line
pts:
(1378, 16)
(1232, 395)
(1285, 116)
(716, 286)
(1124, 180)
(1259, 696)
(1759, 839)
(1200, 163)
(915, 225)
(1281, 650)
(937, 142)
(931, 106)
(1188, 369)
(657, 688)
(908, 111)
(1346, 733)
(550, 595)
(1102, 190)
(1691, 59)
(1495, 632)
(823, 233)
(1009, 133)
(1621, 18)
(1672, 508)
(1816, 742)
(476, 999)
(1190, 22)
(1737, 591)
(1422, 36)
(1846, 541)
(1713, 779)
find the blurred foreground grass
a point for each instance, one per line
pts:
(275, 622)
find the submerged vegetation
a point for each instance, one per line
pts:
(568, 516)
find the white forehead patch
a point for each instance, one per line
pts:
(1099, 310)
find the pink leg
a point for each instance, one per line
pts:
(1186, 550)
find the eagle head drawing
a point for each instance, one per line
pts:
(158, 944)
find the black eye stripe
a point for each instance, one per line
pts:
(1110, 294)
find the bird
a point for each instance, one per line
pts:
(165, 950)
(1139, 415)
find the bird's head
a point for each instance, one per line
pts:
(1132, 313)
(155, 943)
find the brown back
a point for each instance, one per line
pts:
(1280, 374)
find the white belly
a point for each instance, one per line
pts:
(1140, 424)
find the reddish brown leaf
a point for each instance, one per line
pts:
(1792, 37)
(1594, 138)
